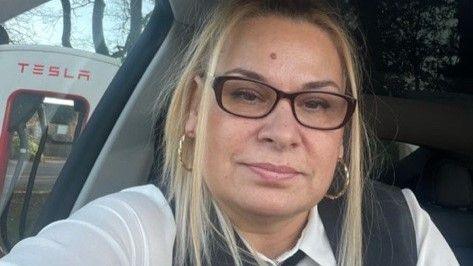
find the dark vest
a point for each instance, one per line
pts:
(388, 230)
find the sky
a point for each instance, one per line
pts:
(43, 25)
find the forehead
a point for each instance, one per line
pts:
(286, 52)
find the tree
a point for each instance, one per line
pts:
(135, 22)
(97, 28)
(112, 39)
(66, 22)
(464, 68)
(132, 14)
(411, 43)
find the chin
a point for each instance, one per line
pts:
(273, 205)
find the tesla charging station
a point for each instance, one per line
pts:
(46, 94)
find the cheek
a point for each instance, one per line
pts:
(323, 150)
(225, 134)
(226, 138)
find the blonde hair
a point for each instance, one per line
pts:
(194, 207)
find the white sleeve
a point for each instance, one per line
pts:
(131, 227)
(432, 248)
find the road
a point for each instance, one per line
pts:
(45, 177)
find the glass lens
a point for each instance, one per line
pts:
(321, 110)
(247, 98)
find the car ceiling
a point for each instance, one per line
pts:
(13, 8)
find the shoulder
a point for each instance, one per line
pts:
(149, 193)
(381, 188)
(420, 217)
(139, 218)
(386, 196)
(388, 203)
(146, 199)
(137, 208)
(402, 211)
(387, 223)
(432, 248)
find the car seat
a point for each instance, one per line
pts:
(445, 191)
(444, 188)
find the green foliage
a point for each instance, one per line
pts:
(411, 47)
(15, 147)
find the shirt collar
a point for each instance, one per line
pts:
(313, 242)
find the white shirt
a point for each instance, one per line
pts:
(136, 227)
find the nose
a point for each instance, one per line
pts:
(280, 128)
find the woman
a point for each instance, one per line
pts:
(264, 162)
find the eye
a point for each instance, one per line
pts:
(246, 95)
(314, 104)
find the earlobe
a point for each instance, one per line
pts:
(191, 122)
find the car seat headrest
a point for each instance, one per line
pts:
(453, 186)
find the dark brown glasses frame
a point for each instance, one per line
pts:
(218, 88)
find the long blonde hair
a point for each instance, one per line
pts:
(193, 203)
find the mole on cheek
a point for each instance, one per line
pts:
(273, 56)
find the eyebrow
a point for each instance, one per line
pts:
(313, 85)
(247, 73)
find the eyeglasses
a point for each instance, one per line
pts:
(253, 99)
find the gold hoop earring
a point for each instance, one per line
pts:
(179, 152)
(345, 186)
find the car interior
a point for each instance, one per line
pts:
(439, 170)
(120, 145)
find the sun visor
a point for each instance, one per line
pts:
(13, 8)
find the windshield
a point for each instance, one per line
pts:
(57, 59)
(105, 27)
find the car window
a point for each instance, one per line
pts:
(57, 59)
(420, 50)
(415, 49)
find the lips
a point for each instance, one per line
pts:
(273, 172)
